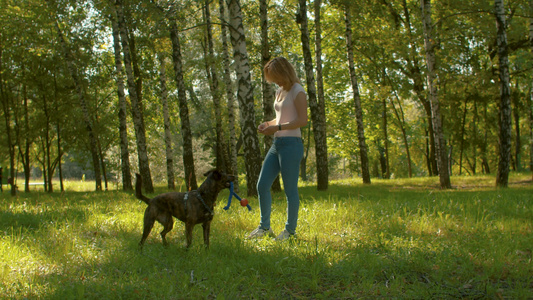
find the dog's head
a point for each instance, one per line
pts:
(221, 179)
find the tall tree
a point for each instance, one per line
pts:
(440, 143)
(59, 153)
(319, 128)
(140, 132)
(188, 156)
(222, 158)
(363, 149)
(462, 136)
(46, 138)
(122, 108)
(400, 116)
(230, 98)
(384, 153)
(7, 105)
(25, 140)
(268, 91)
(502, 176)
(166, 121)
(245, 96)
(321, 101)
(407, 48)
(531, 91)
(73, 70)
(413, 70)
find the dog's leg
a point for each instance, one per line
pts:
(188, 233)
(148, 225)
(207, 229)
(167, 227)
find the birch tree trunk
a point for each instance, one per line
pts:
(386, 170)
(414, 71)
(59, 156)
(440, 143)
(7, 105)
(531, 92)
(25, 146)
(268, 90)
(21, 126)
(475, 139)
(222, 158)
(166, 119)
(363, 149)
(122, 110)
(515, 107)
(73, 70)
(47, 145)
(502, 176)
(462, 139)
(484, 145)
(400, 116)
(319, 127)
(102, 163)
(245, 96)
(323, 179)
(188, 156)
(142, 153)
(232, 168)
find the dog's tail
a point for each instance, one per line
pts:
(138, 190)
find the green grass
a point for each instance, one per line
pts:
(400, 238)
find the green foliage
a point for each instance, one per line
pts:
(388, 45)
(393, 239)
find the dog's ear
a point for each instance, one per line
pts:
(215, 173)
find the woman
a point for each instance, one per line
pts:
(286, 152)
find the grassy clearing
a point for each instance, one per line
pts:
(397, 238)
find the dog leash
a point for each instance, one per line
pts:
(201, 200)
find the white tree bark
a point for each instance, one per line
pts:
(122, 110)
(502, 177)
(232, 168)
(363, 149)
(440, 143)
(166, 121)
(138, 122)
(245, 96)
(318, 119)
(186, 133)
(222, 158)
(83, 105)
(531, 91)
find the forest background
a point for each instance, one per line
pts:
(169, 89)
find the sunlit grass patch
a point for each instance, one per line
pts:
(391, 239)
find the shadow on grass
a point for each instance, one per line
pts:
(234, 268)
(108, 264)
(30, 214)
(31, 221)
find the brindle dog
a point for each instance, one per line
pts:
(192, 208)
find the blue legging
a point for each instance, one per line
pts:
(284, 156)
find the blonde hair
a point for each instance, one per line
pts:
(281, 70)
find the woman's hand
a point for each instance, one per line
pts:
(262, 126)
(266, 129)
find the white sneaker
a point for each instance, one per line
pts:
(259, 232)
(284, 235)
